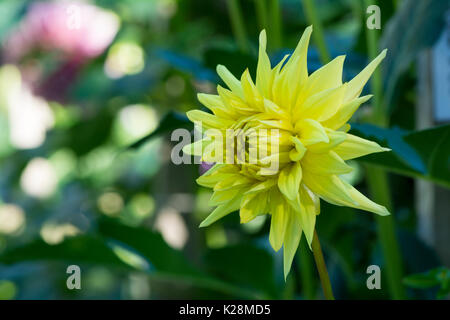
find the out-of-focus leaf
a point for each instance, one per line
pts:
(245, 265)
(432, 278)
(150, 245)
(166, 262)
(187, 64)
(90, 134)
(420, 154)
(415, 26)
(171, 121)
(79, 249)
(235, 60)
(421, 280)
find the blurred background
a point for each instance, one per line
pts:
(90, 92)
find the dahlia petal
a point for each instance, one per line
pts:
(217, 173)
(291, 241)
(307, 215)
(222, 196)
(297, 67)
(234, 102)
(299, 150)
(232, 181)
(325, 163)
(222, 210)
(262, 186)
(327, 77)
(214, 103)
(208, 120)
(263, 70)
(354, 147)
(230, 80)
(253, 205)
(336, 138)
(251, 93)
(356, 85)
(279, 222)
(329, 187)
(364, 203)
(196, 148)
(345, 113)
(323, 105)
(289, 180)
(311, 132)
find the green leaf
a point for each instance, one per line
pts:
(166, 262)
(245, 265)
(439, 276)
(235, 60)
(419, 154)
(421, 281)
(171, 121)
(415, 26)
(150, 245)
(79, 249)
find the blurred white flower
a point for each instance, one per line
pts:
(39, 179)
(55, 233)
(29, 116)
(12, 218)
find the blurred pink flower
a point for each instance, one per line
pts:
(76, 28)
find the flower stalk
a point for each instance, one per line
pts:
(321, 268)
(378, 182)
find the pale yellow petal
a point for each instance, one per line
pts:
(327, 77)
(263, 71)
(354, 147)
(325, 163)
(207, 120)
(215, 104)
(289, 180)
(311, 132)
(253, 205)
(291, 241)
(230, 80)
(329, 187)
(222, 210)
(364, 203)
(356, 85)
(336, 138)
(279, 222)
(344, 113)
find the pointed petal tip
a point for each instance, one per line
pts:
(219, 67)
(383, 212)
(204, 224)
(263, 39)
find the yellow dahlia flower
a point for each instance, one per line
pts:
(298, 123)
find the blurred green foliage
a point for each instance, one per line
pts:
(118, 208)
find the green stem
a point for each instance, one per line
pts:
(261, 13)
(276, 32)
(306, 271)
(378, 181)
(318, 35)
(379, 189)
(321, 268)
(237, 24)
